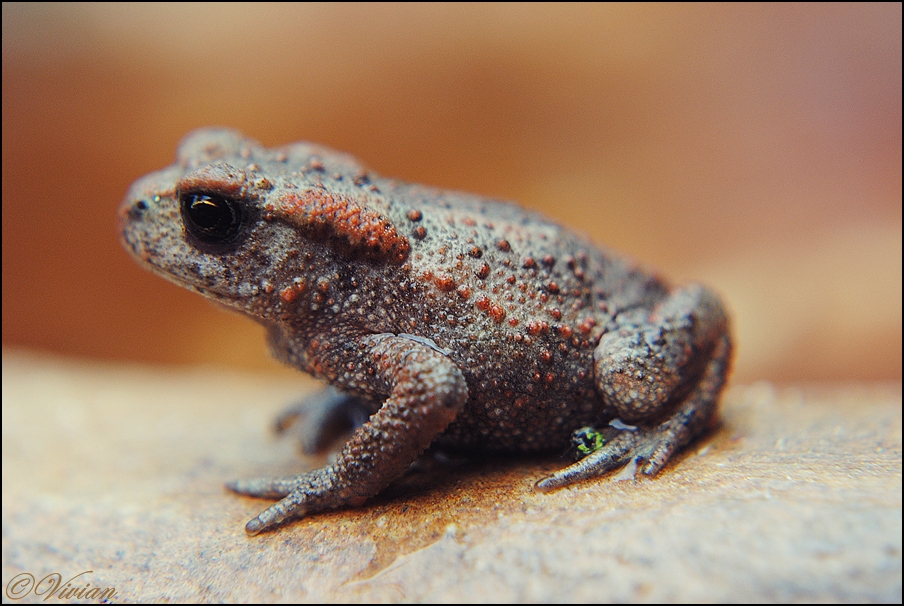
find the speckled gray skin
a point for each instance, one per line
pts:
(453, 319)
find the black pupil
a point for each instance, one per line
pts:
(210, 217)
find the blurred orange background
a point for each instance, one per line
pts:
(755, 147)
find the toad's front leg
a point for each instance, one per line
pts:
(426, 391)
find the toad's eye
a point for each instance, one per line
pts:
(211, 218)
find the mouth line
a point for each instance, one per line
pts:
(134, 246)
(210, 293)
(205, 291)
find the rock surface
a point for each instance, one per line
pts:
(119, 471)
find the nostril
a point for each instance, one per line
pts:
(134, 211)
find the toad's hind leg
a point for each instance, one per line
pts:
(664, 372)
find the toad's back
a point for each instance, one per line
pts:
(519, 303)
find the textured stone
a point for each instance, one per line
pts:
(120, 470)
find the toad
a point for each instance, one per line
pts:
(436, 317)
